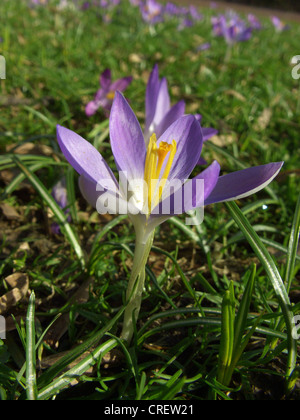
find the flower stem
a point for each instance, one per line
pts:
(135, 286)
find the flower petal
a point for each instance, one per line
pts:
(172, 115)
(91, 108)
(191, 195)
(151, 96)
(109, 201)
(208, 133)
(121, 84)
(163, 103)
(186, 131)
(84, 158)
(243, 183)
(127, 140)
(105, 79)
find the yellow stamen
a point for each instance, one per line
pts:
(110, 95)
(155, 159)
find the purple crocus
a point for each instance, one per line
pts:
(172, 156)
(159, 112)
(152, 11)
(105, 95)
(146, 172)
(232, 28)
(59, 193)
(254, 22)
(279, 25)
(203, 47)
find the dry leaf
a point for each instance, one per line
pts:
(20, 284)
(236, 94)
(264, 120)
(9, 212)
(223, 140)
(30, 148)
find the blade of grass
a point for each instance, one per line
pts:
(292, 248)
(31, 388)
(70, 181)
(275, 278)
(227, 334)
(73, 354)
(64, 380)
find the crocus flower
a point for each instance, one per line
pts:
(59, 193)
(232, 28)
(152, 12)
(279, 25)
(159, 112)
(145, 172)
(105, 95)
(204, 47)
(194, 13)
(254, 22)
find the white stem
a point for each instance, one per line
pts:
(135, 286)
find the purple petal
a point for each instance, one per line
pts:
(91, 108)
(105, 79)
(243, 183)
(121, 84)
(189, 196)
(163, 103)
(84, 158)
(202, 161)
(186, 131)
(208, 133)
(151, 96)
(174, 113)
(127, 140)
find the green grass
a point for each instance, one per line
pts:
(79, 279)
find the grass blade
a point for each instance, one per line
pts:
(64, 380)
(31, 388)
(275, 278)
(292, 248)
(227, 334)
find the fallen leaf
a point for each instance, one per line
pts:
(236, 95)
(9, 212)
(30, 148)
(264, 120)
(20, 284)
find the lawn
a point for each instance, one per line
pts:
(218, 317)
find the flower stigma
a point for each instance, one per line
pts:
(155, 158)
(110, 95)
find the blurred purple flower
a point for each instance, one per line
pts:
(105, 95)
(195, 14)
(254, 22)
(59, 193)
(279, 25)
(232, 28)
(185, 23)
(204, 47)
(152, 11)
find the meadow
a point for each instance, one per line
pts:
(220, 305)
